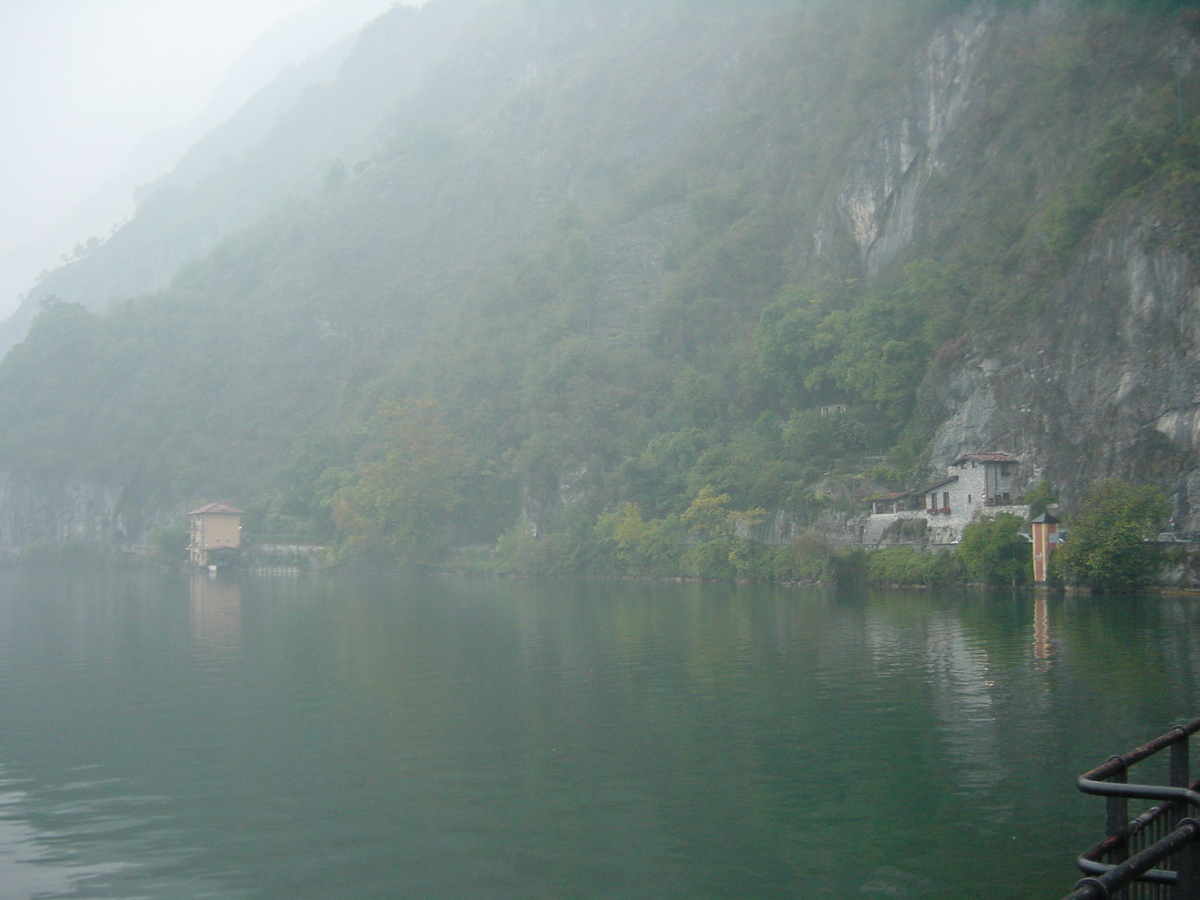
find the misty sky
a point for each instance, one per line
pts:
(82, 81)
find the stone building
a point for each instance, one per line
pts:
(975, 485)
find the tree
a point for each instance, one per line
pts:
(993, 551)
(397, 508)
(1108, 539)
(1041, 498)
(168, 543)
(708, 515)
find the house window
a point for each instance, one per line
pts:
(945, 499)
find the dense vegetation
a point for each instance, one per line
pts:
(1109, 546)
(574, 304)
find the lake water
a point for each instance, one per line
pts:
(294, 737)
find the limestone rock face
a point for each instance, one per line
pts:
(892, 163)
(1104, 383)
(34, 510)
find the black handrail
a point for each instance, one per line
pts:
(1133, 848)
(1133, 869)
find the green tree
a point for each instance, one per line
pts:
(993, 551)
(168, 543)
(396, 510)
(709, 516)
(1041, 498)
(641, 545)
(1108, 543)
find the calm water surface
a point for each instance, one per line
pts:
(278, 737)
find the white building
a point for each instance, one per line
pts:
(975, 485)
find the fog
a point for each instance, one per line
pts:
(98, 96)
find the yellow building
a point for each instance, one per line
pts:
(216, 534)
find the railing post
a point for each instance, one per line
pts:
(1187, 861)
(1117, 819)
(1187, 870)
(1179, 772)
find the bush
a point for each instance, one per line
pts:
(1108, 544)
(806, 559)
(168, 543)
(75, 553)
(993, 552)
(710, 560)
(911, 567)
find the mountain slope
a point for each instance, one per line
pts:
(631, 250)
(282, 142)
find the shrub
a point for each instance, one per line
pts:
(911, 567)
(992, 551)
(1108, 543)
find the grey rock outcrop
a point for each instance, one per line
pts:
(1105, 382)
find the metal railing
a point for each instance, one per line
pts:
(1155, 856)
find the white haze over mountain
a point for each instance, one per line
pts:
(100, 96)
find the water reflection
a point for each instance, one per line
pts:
(481, 739)
(216, 612)
(1043, 649)
(964, 683)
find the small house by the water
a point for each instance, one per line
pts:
(215, 535)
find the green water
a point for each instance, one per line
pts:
(176, 737)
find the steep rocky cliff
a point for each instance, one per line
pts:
(1099, 377)
(878, 201)
(1104, 382)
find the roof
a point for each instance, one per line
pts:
(1044, 518)
(218, 508)
(936, 485)
(986, 457)
(896, 495)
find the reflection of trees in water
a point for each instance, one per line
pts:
(1132, 651)
(1181, 656)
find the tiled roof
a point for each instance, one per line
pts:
(217, 508)
(937, 484)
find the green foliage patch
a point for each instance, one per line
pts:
(1109, 539)
(992, 551)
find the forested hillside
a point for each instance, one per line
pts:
(314, 121)
(610, 261)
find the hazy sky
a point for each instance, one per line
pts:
(82, 81)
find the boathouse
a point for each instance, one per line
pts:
(215, 535)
